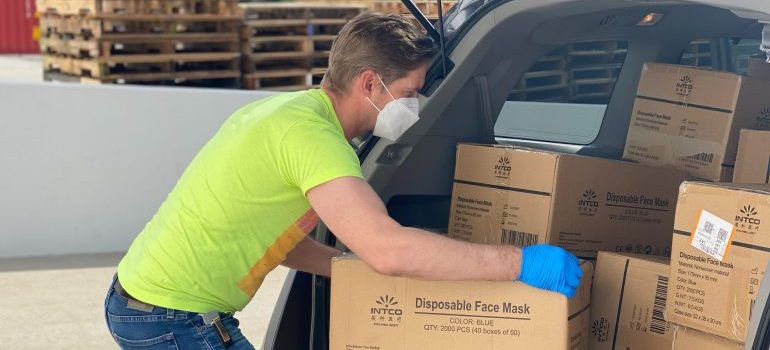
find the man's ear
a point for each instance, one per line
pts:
(367, 82)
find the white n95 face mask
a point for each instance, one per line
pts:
(396, 117)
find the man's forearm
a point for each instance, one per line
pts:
(421, 254)
(366, 228)
(312, 257)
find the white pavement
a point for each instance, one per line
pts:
(57, 303)
(21, 67)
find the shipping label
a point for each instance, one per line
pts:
(712, 235)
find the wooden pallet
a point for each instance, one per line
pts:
(87, 27)
(279, 80)
(594, 72)
(110, 45)
(270, 61)
(69, 26)
(278, 27)
(285, 44)
(145, 67)
(194, 79)
(428, 8)
(552, 78)
(281, 44)
(317, 75)
(592, 88)
(549, 63)
(698, 54)
(58, 64)
(594, 53)
(301, 43)
(137, 7)
(331, 10)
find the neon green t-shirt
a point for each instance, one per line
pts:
(240, 205)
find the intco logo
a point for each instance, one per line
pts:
(587, 204)
(684, 86)
(747, 220)
(763, 120)
(503, 167)
(385, 312)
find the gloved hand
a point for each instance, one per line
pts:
(552, 268)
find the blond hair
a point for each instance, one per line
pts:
(389, 44)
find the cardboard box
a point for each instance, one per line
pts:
(628, 303)
(721, 247)
(759, 68)
(508, 195)
(690, 118)
(753, 163)
(372, 311)
(689, 339)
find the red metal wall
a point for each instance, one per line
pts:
(18, 27)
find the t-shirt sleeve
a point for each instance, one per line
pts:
(313, 153)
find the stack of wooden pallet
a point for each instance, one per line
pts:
(174, 42)
(594, 67)
(583, 72)
(286, 45)
(429, 8)
(705, 54)
(545, 81)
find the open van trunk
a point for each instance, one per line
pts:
(500, 54)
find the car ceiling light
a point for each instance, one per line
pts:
(650, 19)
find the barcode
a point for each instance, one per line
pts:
(518, 238)
(703, 157)
(722, 235)
(708, 226)
(659, 324)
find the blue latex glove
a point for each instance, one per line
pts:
(552, 268)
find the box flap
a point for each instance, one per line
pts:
(506, 166)
(688, 86)
(689, 186)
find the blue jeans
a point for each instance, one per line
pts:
(163, 328)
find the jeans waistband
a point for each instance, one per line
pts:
(137, 304)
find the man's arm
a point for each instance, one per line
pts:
(389, 248)
(312, 257)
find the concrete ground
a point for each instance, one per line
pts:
(57, 302)
(21, 67)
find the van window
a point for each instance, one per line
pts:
(563, 96)
(723, 54)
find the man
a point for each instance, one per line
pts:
(247, 201)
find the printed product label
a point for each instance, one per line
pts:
(697, 280)
(712, 235)
(494, 216)
(598, 209)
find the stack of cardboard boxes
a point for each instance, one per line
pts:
(629, 216)
(507, 195)
(710, 125)
(753, 162)
(720, 251)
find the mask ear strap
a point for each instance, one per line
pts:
(373, 105)
(386, 88)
